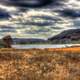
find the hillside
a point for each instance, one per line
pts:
(67, 36)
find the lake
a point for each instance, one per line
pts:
(43, 46)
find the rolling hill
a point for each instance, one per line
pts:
(67, 36)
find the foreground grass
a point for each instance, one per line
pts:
(40, 64)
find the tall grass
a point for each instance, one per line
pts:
(36, 64)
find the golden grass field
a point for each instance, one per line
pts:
(40, 64)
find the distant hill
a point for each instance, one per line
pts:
(67, 36)
(28, 40)
(71, 36)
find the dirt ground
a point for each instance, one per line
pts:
(40, 64)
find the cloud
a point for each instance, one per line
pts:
(36, 31)
(31, 3)
(7, 27)
(76, 23)
(41, 22)
(44, 17)
(4, 14)
(72, 13)
(26, 3)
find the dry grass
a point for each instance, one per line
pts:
(37, 64)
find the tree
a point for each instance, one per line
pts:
(7, 41)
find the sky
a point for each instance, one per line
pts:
(38, 19)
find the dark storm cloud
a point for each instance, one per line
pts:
(70, 13)
(38, 23)
(7, 30)
(4, 14)
(26, 3)
(31, 3)
(36, 31)
(45, 17)
(7, 27)
(3, 30)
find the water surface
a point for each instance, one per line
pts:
(42, 46)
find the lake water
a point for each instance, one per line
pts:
(42, 46)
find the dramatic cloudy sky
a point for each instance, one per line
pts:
(20, 18)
